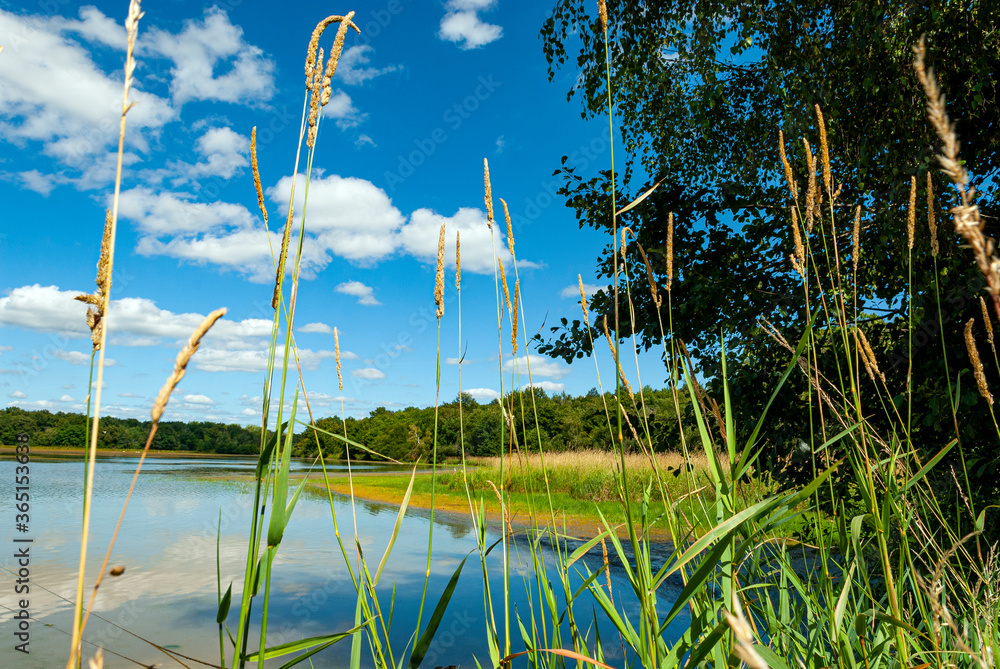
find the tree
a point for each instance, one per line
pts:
(701, 91)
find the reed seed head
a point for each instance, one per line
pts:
(282, 257)
(987, 321)
(911, 213)
(182, 362)
(870, 354)
(938, 117)
(458, 261)
(856, 238)
(799, 259)
(314, 97)
(793, 188)
(336, 351)
(439, 282)
(670, 250)
(256, 174)
(488, 199)
(649, 276)
(96, 662)
(503, 277)
(95, 314)
(510, 230)
(338, 47)
(311, 64)
(744, 635)
(812, 192)
(513, 318)
(977, 365)
(602, 14)
(583, 302)
(824, 152)
(625, 233)
(931, 223)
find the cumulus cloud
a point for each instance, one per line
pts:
(541, 366)
(353, 67)
(369, 373)
(316, 328)
(352, 218)
(548, 386)
(462, 25)
(342, 109)
(229, 346)
(574, 290)
(17, 394)
(419, 238)
(226, 360)
(198, 399)
(483, 394)
(78, 358)
(212, 61)
(56, 94)
(365, 294)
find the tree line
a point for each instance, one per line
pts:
(555, 422)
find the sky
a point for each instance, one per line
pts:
(425, 93)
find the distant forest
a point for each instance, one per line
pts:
(563, 423)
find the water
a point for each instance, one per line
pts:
(168, 592)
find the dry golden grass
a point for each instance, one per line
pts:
(594, 460)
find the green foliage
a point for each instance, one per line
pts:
(701, 91)
(68, 430)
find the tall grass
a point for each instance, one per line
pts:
(898, 583)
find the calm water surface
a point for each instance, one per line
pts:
(167, 544)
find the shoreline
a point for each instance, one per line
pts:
(62, 450)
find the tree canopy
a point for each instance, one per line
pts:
(701, 91)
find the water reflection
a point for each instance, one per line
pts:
(168, 544)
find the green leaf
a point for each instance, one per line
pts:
(224, 605)
(315, 643)
(424, 642)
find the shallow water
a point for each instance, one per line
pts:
(168, 592)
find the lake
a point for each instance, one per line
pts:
(167, 594)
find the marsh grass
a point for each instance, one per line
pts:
(897, 581)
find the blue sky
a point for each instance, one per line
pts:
(427, 92)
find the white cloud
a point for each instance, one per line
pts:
(316, 328)
(419, 237)
(352, 68)
(78, 358)
(574, 291)
(205, 47)
(38, 405)
(482, 394)
(48, 309)
(451, 361)
(462, 24)
(67, 398)
(364, 140)
(248, 412)
(17, 394)
(351, 218)
(500, 143)
(199, 399)
(369, 373)
(548, 386)
(6, 348)
(228, 360)
(541, 366)
(365, 294)
(53, 92)
(175, 214)
(343, 110)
